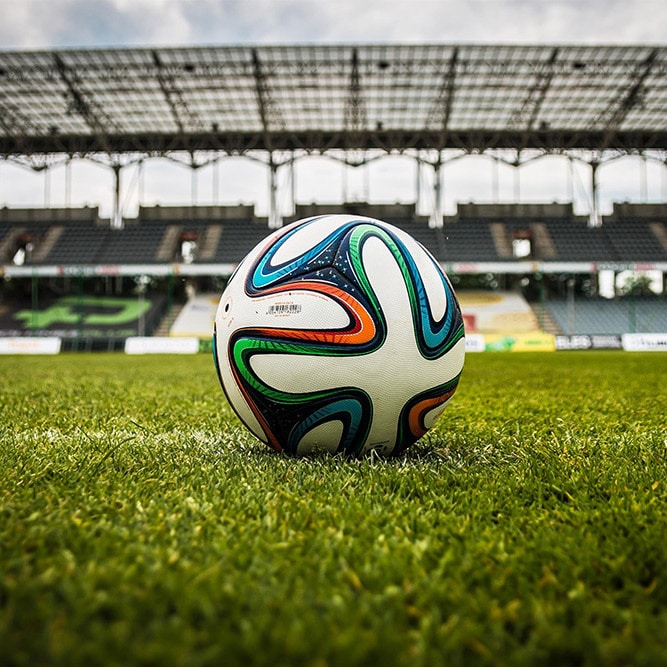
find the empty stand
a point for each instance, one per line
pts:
(543, 242)
(221, 236)
(471, 240)
(236, 238)
(224, 235)
(637, 239)
(51, 237)
(575, 241)
(659, 230)
(134, 244)
(209, 242)
(168, 244)
(77, 243)
(9, 238)
(52, 233)
(501, 240)
(602, 316)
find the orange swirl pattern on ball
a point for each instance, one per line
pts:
(419, 410)
(363, 327)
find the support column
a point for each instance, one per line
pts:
(170, 300)
(275, 220)
(571, 321)
(343, 182)
(495, 185)
(418, 182)
(140, 184)
(539, 276)
(117, 214)
(34, 293)
(47, 187)
(79, 309)
(216, 182)
(570, 180)
(194, 195)
(643, 181)
(594, 217)
(436, 219)
(292, 174)
(68, 183)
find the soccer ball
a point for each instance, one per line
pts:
(339, 333)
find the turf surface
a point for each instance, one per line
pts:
(140, 523)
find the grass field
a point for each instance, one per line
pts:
(140, 524)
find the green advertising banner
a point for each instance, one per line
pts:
(89, 316)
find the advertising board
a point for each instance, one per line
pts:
(161, 345)
(30, 345)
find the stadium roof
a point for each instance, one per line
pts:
(313, 98)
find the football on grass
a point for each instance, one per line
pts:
(339, 333)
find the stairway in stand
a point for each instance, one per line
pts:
(168, 320)
(545, 320)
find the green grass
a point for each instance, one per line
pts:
(140, 523)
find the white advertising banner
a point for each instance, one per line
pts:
(161, 345)
(475, 343)
(644, 342)
(30, 345)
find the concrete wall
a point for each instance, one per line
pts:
(629, 210)
(379, 211)
(182, 213)
(552, 210)
(48, 215)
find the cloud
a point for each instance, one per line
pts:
(44, 24)
(17, 30)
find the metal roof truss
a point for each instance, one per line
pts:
(316, 98)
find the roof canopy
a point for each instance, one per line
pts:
(239, 99)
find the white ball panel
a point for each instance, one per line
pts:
(305, 239)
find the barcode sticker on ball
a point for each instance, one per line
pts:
(283, 309)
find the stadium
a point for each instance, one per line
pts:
(143, 525)
(279, 105)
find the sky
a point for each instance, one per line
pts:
(55, 24)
